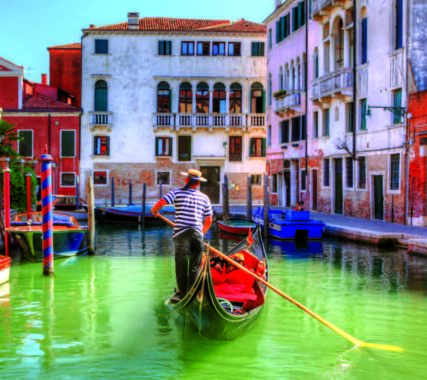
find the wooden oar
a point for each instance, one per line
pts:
(345, 335)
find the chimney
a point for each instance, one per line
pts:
(44, 79)
(278, 3)
(133, 20)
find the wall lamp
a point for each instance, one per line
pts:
(398, 111)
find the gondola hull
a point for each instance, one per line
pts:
(128, 215)
(235, 227)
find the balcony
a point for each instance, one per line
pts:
(338, 84)
(288, 104)
(323, 8)
(208, 121)
(100, 120)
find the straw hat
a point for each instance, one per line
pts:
(195, 174)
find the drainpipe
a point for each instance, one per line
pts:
(306, 96)
(354, 77)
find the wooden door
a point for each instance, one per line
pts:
(338, 188)
(212, 187)
(378, 197)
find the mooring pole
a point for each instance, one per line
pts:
(130, 193)
(249, 199)
(29, 203)
(144, 192)
(91, 215)
(112, 192)
(47, 214)
(225, 200)
(6, 194)
(266, 206)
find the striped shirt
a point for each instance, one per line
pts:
(191, 207)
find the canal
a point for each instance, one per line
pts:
(104, 316)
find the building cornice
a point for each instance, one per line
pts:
(284, 6)
(206, 77)
(175, 33)
(25, 113)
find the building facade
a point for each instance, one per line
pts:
(44, 118)
(163, 95)
(357, 161)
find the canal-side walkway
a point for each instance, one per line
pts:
(374, 232)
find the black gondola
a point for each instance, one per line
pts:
(224, 302)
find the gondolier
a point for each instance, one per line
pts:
(193, 218)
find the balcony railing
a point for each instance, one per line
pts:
(100, 119)
(291, 101)
(339, 82)
(217, 120)
(322, 8)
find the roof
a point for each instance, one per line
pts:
(40, 102)
(162, 24)
(72, 46)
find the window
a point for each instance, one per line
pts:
(203, 48)
(184, 148)
(363, 109)
(257, 98)
(256, 179)
(284, 131)
(165, 47)
(68, 143)
(274, 183)
(257, 147)
(398, 43)
(269, 135)
(303, 180)
(163, 98)
(234, 49)
(364, 57)
(270, 90)
(394, 171)
(101, 96)
(349, 109)
(163, 178)
(316, 64)
(100, 177)
(235, 148)
(326, 174)
(187, 48)
(303, 127)
(219, 98)
(257, 49)
(101, 146)
(68, 179)
(218, 48)
(362, 172)
(397, 102)
(185, 98)
(202, 98)
(326, 122)
(163, 146)
(101, 46)
(349, 167)
(270, 38)
(339, 45)
(25, 146)
(316, 124)
(235, 98)
(296, 129)
(301, 14)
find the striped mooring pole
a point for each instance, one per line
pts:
(6, 200)
(47, 214)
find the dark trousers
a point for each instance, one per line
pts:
(188, 250)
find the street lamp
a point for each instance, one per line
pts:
(398, 111)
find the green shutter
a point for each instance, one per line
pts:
(277, 33)
(170, 101)
(250, 101)
(397, 102)
(263, 101)
(67, 143)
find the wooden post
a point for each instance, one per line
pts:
(249, 199)
(144, 192)
(112, 192)
(29, 203)
(90, 215)
(130, 193)
(6, 205)
(266, 206)
(225, 201)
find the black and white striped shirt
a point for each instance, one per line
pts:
(191, 207)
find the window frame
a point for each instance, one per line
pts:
(220, 45)
(188, 44)
(164, 47)
(168, 172)
(61, 155)
(32, 142)
(349, 173)
(326, 169)
(256, 176)
(178, 149)
(101, 46)
(61, 180)
(236, 52)
(393, 172)
(257, 49)
(107, 177)
(235, 151)
(253, 148)
(205, 48)
(326, 122)
(99, 137)
(169, 153)
(361, 180)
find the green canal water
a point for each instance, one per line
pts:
(103, 317)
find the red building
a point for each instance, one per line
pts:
(44, 116)
(417, 149)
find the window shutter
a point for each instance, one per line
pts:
(250, 101)
(107, 143)
(170, 101)
(251, 141)
(263, 101)
(170, 146)
(364, 40)
(399, 24)
(264, 148)
(169, 47)
(67, 144)
(282, 28)
(277, 32)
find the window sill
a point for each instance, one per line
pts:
(98, 156)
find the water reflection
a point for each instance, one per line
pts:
(298, 249)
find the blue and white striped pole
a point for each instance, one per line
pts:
(47, 214)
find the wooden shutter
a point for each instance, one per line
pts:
(399, 24)
(68, 144)
(364, 40)
(277, 33)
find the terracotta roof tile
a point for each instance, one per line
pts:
(74, 45)
(162, 24)
(40, 102)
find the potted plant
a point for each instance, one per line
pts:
(280, 94)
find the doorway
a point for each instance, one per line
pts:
(212, 187)
(378, 197)
(314, 190)
(338, 188)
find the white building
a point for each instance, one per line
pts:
(163, 95)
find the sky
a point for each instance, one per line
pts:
(28, 27)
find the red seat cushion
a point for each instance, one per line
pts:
(217, 277)
(234, 293)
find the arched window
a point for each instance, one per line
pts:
(257, 98)
(235, 98)
(202, 98)
(163, 98)
(281, 84)
(219, 99)
(185, 98)
(339, 43)
(101, 96)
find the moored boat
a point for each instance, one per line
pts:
(224, 301)
(4, 269)
(235, 227)
(69, 238)
(130, 215)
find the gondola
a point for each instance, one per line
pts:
(224, 302)
(235, 227)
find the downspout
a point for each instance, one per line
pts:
(407, 131)
(306, 96)
(354, 78)
(49, 127)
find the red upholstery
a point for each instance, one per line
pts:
(234, 293)
(217, 277)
